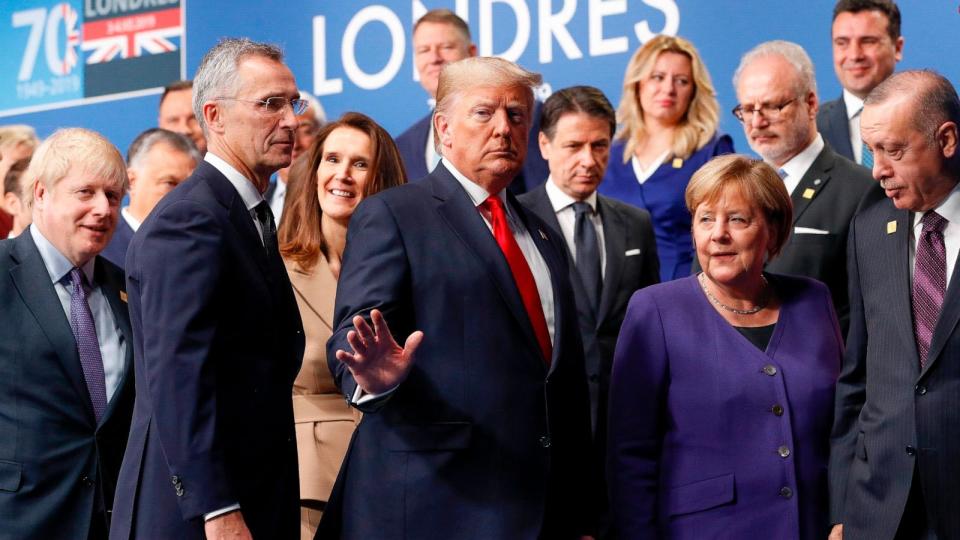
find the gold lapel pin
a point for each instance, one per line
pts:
(123, 296)
(677, 163)
(891, 227)
(808, 193)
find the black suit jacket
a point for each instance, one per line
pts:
(218, 342)
(833, 124)
(481, 440)
(826, 199)
(626, 229)
(58, 466)
(412, 145)
(894, 423)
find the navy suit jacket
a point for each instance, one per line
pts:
(218, 343)
(58, 466)
(481, 440)
(412, 145)
(895, 423)
(833, 124)
(116, 250)
(710, 437)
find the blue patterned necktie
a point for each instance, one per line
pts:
(929, 281)
(866, 156)
(85, 332)
(588, 253)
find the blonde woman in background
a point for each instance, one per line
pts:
(668, 119)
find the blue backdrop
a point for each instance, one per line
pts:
(357, 55)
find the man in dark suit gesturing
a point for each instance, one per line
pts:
(777, 92)
(478, 426)
(66, 357)
(217, 332)
(895, 456)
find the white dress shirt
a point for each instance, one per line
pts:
(854, 106)
(113, 348)
(563, 207)
(798, 165)
(276, 200)
(248, 192)
(950, 210)
(431, 155)
(133, 222)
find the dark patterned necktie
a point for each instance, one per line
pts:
(85, 332)
(268, 226)
(929, 281)
(588, 253)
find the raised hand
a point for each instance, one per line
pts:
(377, 362)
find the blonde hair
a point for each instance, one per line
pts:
(700, 122)
(74, 148)
(756, 182)
(13, 134)
(476, 71)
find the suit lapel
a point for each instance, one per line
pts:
(813, 181)
(901, 307)
(314, 287)
(614, 244)
(32, 280)
(461, 215)
(112, 290)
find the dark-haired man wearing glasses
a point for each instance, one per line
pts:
(217, 334)
(777, 93)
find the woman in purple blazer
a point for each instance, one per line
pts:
(721, 397)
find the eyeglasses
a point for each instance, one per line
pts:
(275, 105)
(768, 110)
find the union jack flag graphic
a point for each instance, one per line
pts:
(132, 36)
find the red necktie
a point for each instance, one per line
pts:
(521, 273)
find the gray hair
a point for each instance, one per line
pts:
(789, 51)
(145, 142)
(74, 148)
(217, 74)
(934, 97)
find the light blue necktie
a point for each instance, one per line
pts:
(866, 157)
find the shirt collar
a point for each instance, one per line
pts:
(561, 200)
(244, 186)
(949, 208)
(853, 104)
(133, 222)
(797, 166)
(477, 193)
(56, 264)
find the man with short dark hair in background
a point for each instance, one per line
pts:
(157, 161)
(441, 37)
(777, 93)
(895, 452)
(66, 353)
(176, 113)
(217, 334)
(610, 245)
(866, 48)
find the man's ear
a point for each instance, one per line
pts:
(544, 145)
(213, 116)
(441, 126)
(947, 139)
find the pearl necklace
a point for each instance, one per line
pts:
(756, 309)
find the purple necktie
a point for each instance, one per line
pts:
(929, 281)
(85, 332)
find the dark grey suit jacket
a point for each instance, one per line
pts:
(826, 199)
(833, 124)
(626, 229)
(58, 466)
(894, 423)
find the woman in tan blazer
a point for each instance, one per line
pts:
(351, 158)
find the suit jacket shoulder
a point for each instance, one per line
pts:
(832, 122)
(412, 145)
